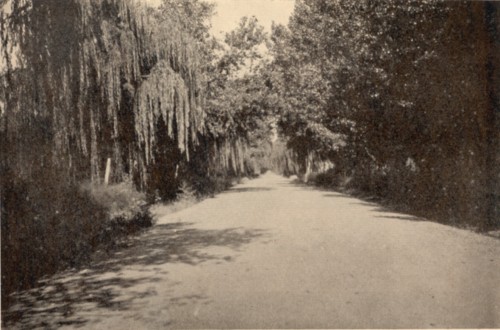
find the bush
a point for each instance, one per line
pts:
(122, 201)
(328, 179)
(48, 226)
(210, 185)
(45, 227)
(185, 198)
(126, 208)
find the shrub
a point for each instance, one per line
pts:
(122, 201)
(48, 226)
(328, 179)
(127, 210)
(210, 185)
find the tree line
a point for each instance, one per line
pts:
(84, 82)
(90, 80)
(402, 97)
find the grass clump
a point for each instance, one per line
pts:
(186, 197)
(126, 208)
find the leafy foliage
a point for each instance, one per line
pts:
(403, 86)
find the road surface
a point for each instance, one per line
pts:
(272, 254)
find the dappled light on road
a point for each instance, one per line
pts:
(272, 253)
(121, 281)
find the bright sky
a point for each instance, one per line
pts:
(229, 12)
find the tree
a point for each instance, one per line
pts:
(237, 112)
(404, 85)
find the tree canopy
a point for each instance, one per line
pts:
(400, 96)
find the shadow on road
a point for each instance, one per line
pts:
(109, 285)
(385, 211)
(400, 217)
(246, 189)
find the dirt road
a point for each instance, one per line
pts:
(271, 254)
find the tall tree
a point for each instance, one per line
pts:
(409, 88)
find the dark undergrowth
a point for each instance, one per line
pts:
(405, 201)
(48, 226)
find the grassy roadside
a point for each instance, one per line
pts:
(332, 181)
(189, 196)
(49, 227)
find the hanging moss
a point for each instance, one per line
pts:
(94, 70)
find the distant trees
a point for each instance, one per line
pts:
(403, 96)
(238, 116)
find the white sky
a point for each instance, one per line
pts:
(229, 13)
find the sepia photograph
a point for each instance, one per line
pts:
(250, 164)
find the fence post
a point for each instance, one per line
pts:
(108, 172)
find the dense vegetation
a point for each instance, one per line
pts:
(396, 99)
(401, 97)
(87, 81)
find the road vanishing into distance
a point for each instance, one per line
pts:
(270, 253)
